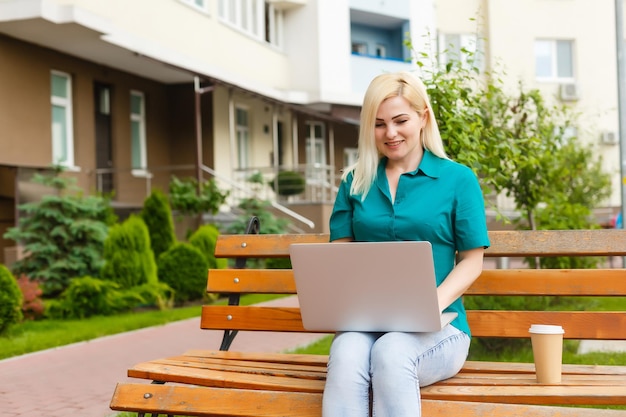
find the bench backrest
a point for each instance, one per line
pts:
(495, 282)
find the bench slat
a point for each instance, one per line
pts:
(508, 388)
(512, 243)
(298, 359)
(536, 394)
(603, 325)
(599, 325)
(251, 281)
(223, 379)
(566, 282)
(194, 401)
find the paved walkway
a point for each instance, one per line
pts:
(78, 380)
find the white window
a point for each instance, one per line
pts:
(242, 129)
(255, 18)
(467, 48)
(316, 153)
(138, 151)
(273, 25)
(62, 122)
(350, 156)
(201, 5)
(554, 60)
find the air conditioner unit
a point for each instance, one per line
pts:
(569, 92)
(609, 138)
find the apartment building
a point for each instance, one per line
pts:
(126, 94)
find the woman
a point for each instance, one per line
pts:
(404, 187)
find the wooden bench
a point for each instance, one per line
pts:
(224, 383)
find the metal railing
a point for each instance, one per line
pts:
(253, 183)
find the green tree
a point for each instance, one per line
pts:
(129, 260)
(157, 215)
(10, 300)
(62, 234)
(516, 143)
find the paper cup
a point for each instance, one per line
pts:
(547, 342)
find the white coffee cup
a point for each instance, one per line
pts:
(547, 343)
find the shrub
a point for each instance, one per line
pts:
(86, 297)
(158, 295)
(184, 268)
(288, 183)
(10, 300)
(205, 239)
(32, 306)
(184, 196)
(157, 215)
(62, 235)
(129, 260)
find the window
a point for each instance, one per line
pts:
(359, 48)
(381, 51)
(242, 130)
(273, 25)
(62, 124)
(554, 60)
(350, 156)
(254, 17)
(315, 153)
(138, 151)
(198, 4)
(468, 48)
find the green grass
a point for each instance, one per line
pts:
(33, 336)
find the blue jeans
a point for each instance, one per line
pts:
(394, 365)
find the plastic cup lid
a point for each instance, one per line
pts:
(546, 329)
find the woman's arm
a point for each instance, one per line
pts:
(466, 271)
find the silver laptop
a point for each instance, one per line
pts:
(367, 286)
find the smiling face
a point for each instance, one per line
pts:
(398, 132)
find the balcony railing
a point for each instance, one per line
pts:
(320, 183)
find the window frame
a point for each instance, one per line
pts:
(140, 118)
(66, 103)
(554, 61)
(242, 138)
(204, 7)
(255, 18)
(468, 41)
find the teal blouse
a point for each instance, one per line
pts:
(441, 202)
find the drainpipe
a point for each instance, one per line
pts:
(198, 91)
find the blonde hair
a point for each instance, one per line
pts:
(402, 84)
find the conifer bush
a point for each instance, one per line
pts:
(205, 239)
(62, 235)
(10, 300)
(184, 268)
(129, 260)
(157, 215)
